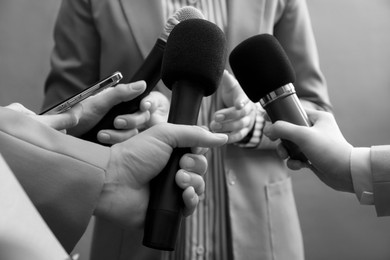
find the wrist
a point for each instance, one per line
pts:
(123, 200)
(346, 183)
(111, 184)
(253, 138)
(361, 174)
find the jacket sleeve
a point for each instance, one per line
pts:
(294, 32)
(62, 175)
(75, 59)
(380, 167)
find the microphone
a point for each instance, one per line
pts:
(149, 72)
(265, 73)
(192, 68)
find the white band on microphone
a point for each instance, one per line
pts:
(283, 91)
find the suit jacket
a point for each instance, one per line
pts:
(380, 168)
(94, 38)
(58, 172)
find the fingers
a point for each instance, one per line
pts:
(190, 179)
(233, 113)
(187, 136)
(237, 136)
(232, 93)
(115, 136)
(186, 179)
(158, 105)
(130, 121)
(154, 100)
(199, 150)
(295, 164)
(191, 200)
(110, 97)
(194, 163)
(64, 120)
(282, 151)
(291, 164)
(233, 125)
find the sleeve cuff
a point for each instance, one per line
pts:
(254, 137)
(361, 175)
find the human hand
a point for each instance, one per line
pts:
(238, 118)
(323, 144)
(95, 107)
(135, 162)
(59, 122)
(158, 106)
(154, 109)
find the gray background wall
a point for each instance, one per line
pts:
(353, 38)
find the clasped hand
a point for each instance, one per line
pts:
(238, 118)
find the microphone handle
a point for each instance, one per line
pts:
(164, 214)
(288, 108)
(150, 72)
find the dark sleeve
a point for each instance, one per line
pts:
(76, 54)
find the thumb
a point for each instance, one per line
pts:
(64, 120)
(150, 102)
(187, 136)
(314, 115)
(232, 92)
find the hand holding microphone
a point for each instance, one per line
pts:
(323, 143)
(265, 73)
(149, 72)
(192, 68)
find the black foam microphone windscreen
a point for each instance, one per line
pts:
(194, 55)
(261, 66)
(149, 72)
(265, 73)
(192, 67)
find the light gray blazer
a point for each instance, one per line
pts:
(93, 38)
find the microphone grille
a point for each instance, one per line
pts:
(261, 66)
(188, 12)
(184, 13)
(195, 51)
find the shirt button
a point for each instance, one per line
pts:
(200, 250)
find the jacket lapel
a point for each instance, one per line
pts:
(145, 21)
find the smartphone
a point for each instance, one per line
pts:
(92, 90)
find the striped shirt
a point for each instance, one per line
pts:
(205, 235)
